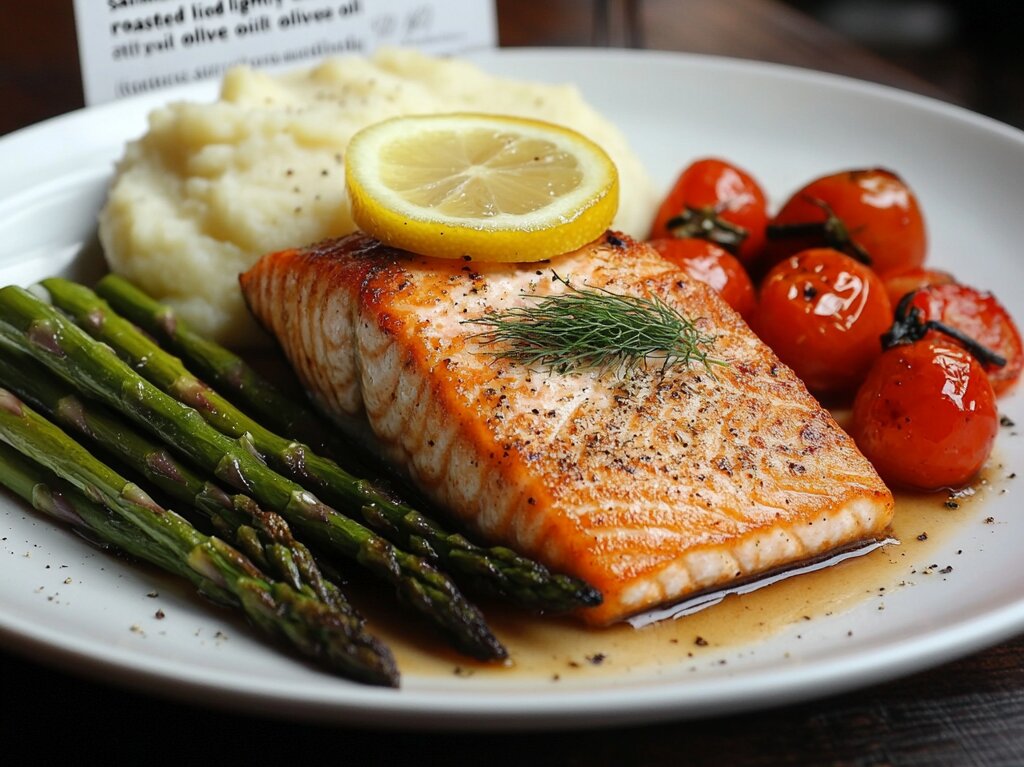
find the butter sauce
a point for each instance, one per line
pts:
(561, 649)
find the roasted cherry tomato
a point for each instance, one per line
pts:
(926, 415)
(870, 215)
(982, 318)
(899, 283)
(715, 201)
(710, 264)
(823, 314)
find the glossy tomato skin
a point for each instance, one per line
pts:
(926, 416)
(823, 314)
(710, 264)
(878, 211)
(710, 185)
(903, 281)
(980, 315)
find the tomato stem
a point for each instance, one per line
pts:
(832, 231)
(707, 224)
(908, 327)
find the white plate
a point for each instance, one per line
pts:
(785, 125)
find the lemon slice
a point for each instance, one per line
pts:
(493, 188)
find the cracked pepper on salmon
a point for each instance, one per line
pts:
(652, 487)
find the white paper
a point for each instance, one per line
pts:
(129, 47)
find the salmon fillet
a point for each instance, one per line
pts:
(652, 487)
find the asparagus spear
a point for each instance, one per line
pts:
(262, 535)
(157, 534)
(63, 502)
(30, 326)
(495, 570)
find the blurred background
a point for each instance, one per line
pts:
(971, 49)
(968, 52)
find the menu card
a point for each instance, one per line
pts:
(129, 47)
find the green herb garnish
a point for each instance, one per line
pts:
(593, 328)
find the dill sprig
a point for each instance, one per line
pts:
(594, 328)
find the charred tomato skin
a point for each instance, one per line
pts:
(714, 189)
(823, 313)
(926, 416)
(880, 220)
(706, 262)
(980, 315)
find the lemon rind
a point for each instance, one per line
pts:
(582, 216)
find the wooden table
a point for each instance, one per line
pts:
(970, 712)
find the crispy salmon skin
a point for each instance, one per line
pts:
(651, 487)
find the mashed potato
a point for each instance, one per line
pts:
(211, 187)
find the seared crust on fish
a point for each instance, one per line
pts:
(651, 487)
